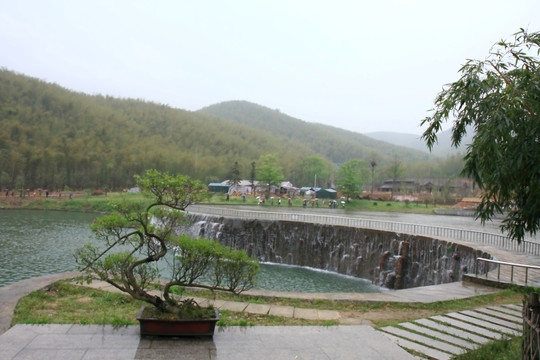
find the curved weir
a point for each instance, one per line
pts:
(387, 259)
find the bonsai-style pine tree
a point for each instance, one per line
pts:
(141, 247)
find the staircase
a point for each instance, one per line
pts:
(444, 336)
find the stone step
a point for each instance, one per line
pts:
(502, 315)
(443, 336)
(493, 319)
(482, 323)
(424, 340)
(410, 345)
(467, 327)
(440, 335)
(507, 310)
(514, 307)
(453, 331)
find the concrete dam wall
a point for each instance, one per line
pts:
(391, 260)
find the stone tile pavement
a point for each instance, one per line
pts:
(58, 342)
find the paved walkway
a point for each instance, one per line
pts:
(259, 342)
(356, 341)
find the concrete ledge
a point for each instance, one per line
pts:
(284, 311)
(258, 309)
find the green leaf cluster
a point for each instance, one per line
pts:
(351, 176)
(203, 260)
(269, 173)
(499, 97)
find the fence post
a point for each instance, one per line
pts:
(511, 274)
(531, 339)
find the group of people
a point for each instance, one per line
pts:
(333, 204)
(262, 200)
(313, 202)
(36, 193)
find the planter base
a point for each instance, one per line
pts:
(177, 327)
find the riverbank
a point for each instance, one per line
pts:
(80, 202)
(86, 202)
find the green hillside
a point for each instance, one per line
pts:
(51, 138)
(336, 144)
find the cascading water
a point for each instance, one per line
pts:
(384, 258)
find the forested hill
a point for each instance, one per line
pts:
(51, 137)
(336, 144)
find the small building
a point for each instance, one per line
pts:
(461, 186)
(399, 185)
(286, 187)
(219, 187)
(308, 192)
(428, 186)
(243, 186)
(326, 194)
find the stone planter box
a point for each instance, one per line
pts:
(177, 327)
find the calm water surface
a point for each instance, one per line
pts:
(35, 243)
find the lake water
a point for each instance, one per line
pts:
(35, 243)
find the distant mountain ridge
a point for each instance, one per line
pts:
(334, 143)
(443, 147)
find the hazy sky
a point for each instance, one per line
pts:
(359, 65)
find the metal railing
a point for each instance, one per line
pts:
(499, 241)
(514, 276)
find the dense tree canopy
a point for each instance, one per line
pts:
(53, 138)
(350, 177)
(269, 173)
(395, 169)
(316, 171)
(500, 98)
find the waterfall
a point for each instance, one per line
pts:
(388, 259)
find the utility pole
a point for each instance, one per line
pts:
(373, 164)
